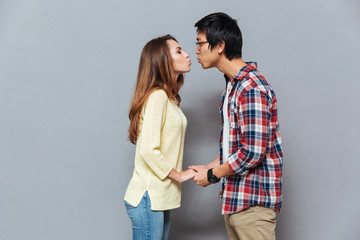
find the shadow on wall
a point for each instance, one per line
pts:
(200, 214)
(203, 128)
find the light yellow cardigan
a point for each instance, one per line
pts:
(159, 149)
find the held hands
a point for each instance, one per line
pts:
(187, 175)
(198, 173)
(182, 176)
(201, 175)
(201, 172)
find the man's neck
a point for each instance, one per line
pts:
(230, 67)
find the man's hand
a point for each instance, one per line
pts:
(199, 167)
(201, 175)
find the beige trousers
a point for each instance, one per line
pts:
(253, 223)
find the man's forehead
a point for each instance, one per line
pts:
(201, 36)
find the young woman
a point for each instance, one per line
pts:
(157, 127)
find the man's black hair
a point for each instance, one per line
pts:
(220, 27)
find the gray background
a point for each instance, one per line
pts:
(67, 70)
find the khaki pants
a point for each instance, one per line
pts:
(253, 223)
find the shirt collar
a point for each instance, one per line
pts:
(243, 72)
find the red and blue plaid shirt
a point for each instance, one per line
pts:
(255, 151)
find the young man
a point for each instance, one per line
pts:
(251, 157)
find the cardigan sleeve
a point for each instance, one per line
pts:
(153, 121)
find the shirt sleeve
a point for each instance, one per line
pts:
(255, 109)
(153, 121)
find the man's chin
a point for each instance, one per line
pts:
(204, 66)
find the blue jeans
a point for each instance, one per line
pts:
(148, 224)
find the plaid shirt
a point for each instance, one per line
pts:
(255, 151)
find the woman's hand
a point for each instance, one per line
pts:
(187, 175)
(183, 176)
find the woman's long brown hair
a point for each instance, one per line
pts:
(156, 71)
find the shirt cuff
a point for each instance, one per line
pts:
(236, 164)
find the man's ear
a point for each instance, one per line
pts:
(221, 47)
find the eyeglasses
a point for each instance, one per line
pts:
(199, 44)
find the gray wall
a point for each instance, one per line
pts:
(67, 70)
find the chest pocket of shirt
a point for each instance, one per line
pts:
(235, 128)
(234, 116)
(233, 125)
